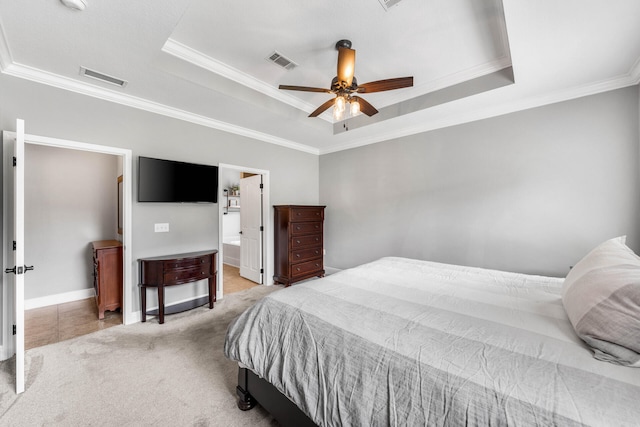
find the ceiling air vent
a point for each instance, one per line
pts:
(387, 4)
(279, 59)
(102, 77)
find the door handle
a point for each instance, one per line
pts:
(19, 270)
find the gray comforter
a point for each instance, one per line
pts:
(401, 342)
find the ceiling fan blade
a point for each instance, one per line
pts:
(321, 109)
(365, 107)
(304, 88)
(346, 65)
(388, 84)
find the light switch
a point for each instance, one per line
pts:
(162, 227)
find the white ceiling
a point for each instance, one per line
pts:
(205, 61)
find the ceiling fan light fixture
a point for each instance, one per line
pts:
(355, 107)
(339, 107)
(345, 86)
(75, 4)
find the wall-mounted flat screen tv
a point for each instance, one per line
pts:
(169, 181)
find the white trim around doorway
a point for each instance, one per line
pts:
(267, 220)
(129, 288)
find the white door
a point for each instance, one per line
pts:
(14, 228)
(251, 228)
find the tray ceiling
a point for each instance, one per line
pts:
(206, 62)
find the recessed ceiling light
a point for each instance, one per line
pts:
(75, 4)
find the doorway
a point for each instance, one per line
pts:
(125, 160)
(71, 200)
(243, 228)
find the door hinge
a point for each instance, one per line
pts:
(261, 228)
(14, 329)
(261, 186)
(14, 245)
(15, 162)
(262, 271)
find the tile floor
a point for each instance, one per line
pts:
(47, 325)
(233, 282)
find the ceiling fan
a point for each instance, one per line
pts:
(346, 87)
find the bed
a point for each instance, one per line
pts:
(399, 342)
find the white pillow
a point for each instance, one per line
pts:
(611, 252)
(601, 296)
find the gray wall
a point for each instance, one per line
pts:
(47, 111)
(70, 200)
(530, 192)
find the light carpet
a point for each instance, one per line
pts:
(173, 374)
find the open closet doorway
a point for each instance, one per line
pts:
(59, 233)
(71, 206)
(243, 229)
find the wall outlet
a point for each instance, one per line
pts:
(162, 228)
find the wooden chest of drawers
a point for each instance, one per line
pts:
(298, 238)
(107, 275)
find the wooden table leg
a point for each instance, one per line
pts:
(143, 302)
(161, 304)
(212, 291)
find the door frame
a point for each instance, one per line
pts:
(267, 241)
(127, 173)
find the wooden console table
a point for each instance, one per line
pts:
(159, 272)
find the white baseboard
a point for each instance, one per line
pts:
(234, 262)
(59, 298)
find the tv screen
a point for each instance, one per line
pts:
(176, 182)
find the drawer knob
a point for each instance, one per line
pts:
(298, 241)
(297, 255)
(298, 268)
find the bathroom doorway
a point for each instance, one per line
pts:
(243, 228)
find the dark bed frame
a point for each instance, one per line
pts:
(252, 389)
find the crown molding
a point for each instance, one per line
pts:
(8, 67)
(72, 85)
(630, 79)
(40, 76)
(197, 58)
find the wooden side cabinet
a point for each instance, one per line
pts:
(162, 271)
(107, 275)
(299, 244)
